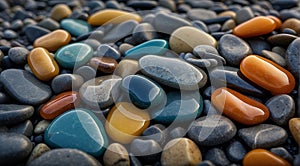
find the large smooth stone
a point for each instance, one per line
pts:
(293, 57)
(263, 157)
(13, 114)
(79, 129)
(186, 38)
(173, 72)
(24, 87)
(127, 67)
(74, 55)
(75, 27)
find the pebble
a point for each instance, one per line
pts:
(18, 55)
(217, 157)
(41, 126)
(263, 136)
(117, 117)
(120, 31)
(206, 163)
(261, 71)
(258, 45)
(37, 151)
(208, 52)
(86, 72)
(105, 50)
(11, 114)
(60, 11)
(292, 23)
(274, 57)
(282, 152)
(263, 157)
(24, 128)
(181, 151)
(66, 82)
(156, 132)
(167, 4)
(212, 130)
(244, 15)
(116, 154)
(54, 40)
(228, 25)
(293, 58)
(9, 34)
(239, 107)
(103, 64)
(79, 129)
(49, 23)
(144, 32)
(65, 156)
(127, 67)
(75, 26)
(233, 55)
(34, 32)
(294, 126)
(236, 151)
(14, 148)
(143, 5)
(184, 39)
(173, 72)
(201, 14)
(283, 40)
(282, 109)
(29, 90)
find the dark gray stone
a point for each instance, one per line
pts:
(9, 34)
(177, 132)
(33, 32)
(200, 25)
(24, 128)
(18, 55)
(281, 39)
(169, 4)
(156, 132)
(143, 5)
(258, 45)
(201, 14)
(243, 15)
(206, 163)
(202, 63)
(86, 72)
(282, 152)
(236, 151)
(217, 156)
(293, 57)
(92, 42)
(209, 109)
(105, 50)
(143, 32)
(11, 114)
(208, 52)
(49, 24)
(119, 32)
(66, 82)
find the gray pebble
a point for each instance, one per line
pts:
(216, 156)
(293, 57)
(49, 24)
(201, 14)
(105, 50)
(86, 72)
(18, 55)
(41, 127)
(66, 82)
(10, 34)
(243, 15)
(120, 31)
(274, 57)
(282, 152)
(24, 128)
(11, 114)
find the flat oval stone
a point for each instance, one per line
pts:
(201, 14)
(152, 47)
(18, 55)
(11, 114)
(260, 71)
(116, 153)
(41, 127)
(86, 72)
(74, 55)
(239, 107)
(54, 40)
(236, 151)
(24, 128)
(173, 72)
(75, 26)
(282, 39)
(263, 157)
(29, 90)
(246, 29)
(14, 148)
(119, 32)
(42, 64)
(79, 129)
(144, 5)
(66, 82)
(263, 136)
(49, 23)
(186, 38)
(294, 126)
(136, 121)
(34, 32)
(282, 152)
(144, 32)
(103, 64)
(59, 104)
(65, 156)
(293, 57)
(185, 150)
(111, 16)
(275, 57)
(212, 130)
(127, 67)
(60, 11)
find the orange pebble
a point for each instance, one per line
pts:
(277, 21)
(267, 74)
(263, 157)
(54, 40)
(239, 107)
(256, 26)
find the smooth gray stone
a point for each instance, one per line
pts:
(120, 31)
(24, 128)
(86, 72)
(66, 82)
(282, 152)
(105, 50)
(236, 151)
(201, 14)
(18, 55)
(258, 45)
(216, 156)
(33, 32)
(293, 57)
(274, 57)
(243, 15)
(11, 114)
(49, 23)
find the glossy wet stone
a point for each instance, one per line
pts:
(173, 72)
(65, 156)
(105, 50)
(37, 151)
(263, 136)
(112, 16)
(119, 32)
(239, 107)
(236, 151)
(121, 114)
(258, 45)
(79, 129)
(34, 32)
(184, 39)
(282, 152)
(260, 71)
(41, 126)
(275, 57)
(74, 55)
(103, 64)
(54, 40)
(75, 26)
(24, 128)
(127, 67)
(59, 104)
(293, 57)
(244, 14)
(212, 130)
(29, 90)
(11, 114)
(216, 156)
(66, 82)
(116, 154)
(294, 126)
(156, 132)
(263, 157)
(209, 53)
(282, 39)
(99, 92)
(185, 150)
(18, 55)
(42, 64)
(60, 12)
(246, 29)
(152, 47)
(144, 32)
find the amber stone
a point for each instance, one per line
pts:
(104, 64)
(267, 74)
(256, 26)
(239, 107)
(294, 125)
(292, 23)
(125, 122)
(60, 11)
(277, 21)
(263, 157)
(59, 104)
(54, 40)
(42, 64)
(112, 16)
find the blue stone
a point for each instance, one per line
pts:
(76, 27)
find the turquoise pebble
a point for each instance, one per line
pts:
(76, 27)
(76, 54)
(78, 129)
(151, 47)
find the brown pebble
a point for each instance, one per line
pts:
(292, 23)
(104, 64)
(60, 11)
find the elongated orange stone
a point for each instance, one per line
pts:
(263, 157)
(112, 16)
(59, 104)
(54, 40)
(256, 26)
(125, 122)
(42, 64)
(277, 21)
(267, 74)
(239, 107)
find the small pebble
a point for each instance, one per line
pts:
(24, 128)
(217, 157)
(18, 55)
(60, 11)
(116, 154)
(37, 151)
(41, 127)
(294, 126)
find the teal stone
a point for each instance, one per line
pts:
(151, 47)
(143, 92)
(76, 27)
(74, 55)
(180, 107)
(78, 129)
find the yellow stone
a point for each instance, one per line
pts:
(112, 16)
(294, 125)
(54, 40)
(60, 11)
(125, 122)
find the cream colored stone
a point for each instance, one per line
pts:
(116, 155)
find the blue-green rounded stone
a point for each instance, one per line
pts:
(75, 27)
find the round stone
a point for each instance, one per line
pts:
(116, 153)
(86, 72)
(236, 151)
(263, 157)
(103, 64)
(18, 55)
(41, 127)
(216, 156)
(66, 82)
(75, 26)
(37, 151)
(60, 11)
(294, 126)
(54, 40)
(243, 15)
